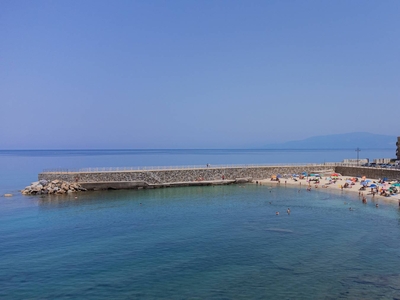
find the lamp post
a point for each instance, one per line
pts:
(358, 151)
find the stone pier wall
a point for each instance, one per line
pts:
(182, 175)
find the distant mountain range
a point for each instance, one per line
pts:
(363, 140)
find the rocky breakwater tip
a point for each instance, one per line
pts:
(52, 187)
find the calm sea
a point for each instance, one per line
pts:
(222, 242)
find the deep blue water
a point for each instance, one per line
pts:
(222, 242)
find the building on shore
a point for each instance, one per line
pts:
(382, 160)
(351, 161)
(398, 148)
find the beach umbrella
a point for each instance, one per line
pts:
(304, 174)
(295, 175)
(334, 174)
(367, 180)
(396, 184)
(373, 185)
(328, 178)
(279, 176)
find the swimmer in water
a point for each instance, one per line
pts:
(288, 211)
(277, 213)
(377, 205)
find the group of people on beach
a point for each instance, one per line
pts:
(380, 187)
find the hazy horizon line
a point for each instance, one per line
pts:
(204, 149)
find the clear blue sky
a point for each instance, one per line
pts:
(195, 74)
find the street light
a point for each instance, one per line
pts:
(358, 151)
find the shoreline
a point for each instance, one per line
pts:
(354, 190)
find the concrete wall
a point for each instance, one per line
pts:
(368, 172)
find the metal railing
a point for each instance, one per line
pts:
(188, 167)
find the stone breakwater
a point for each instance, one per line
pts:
(177, 177)
(133, 179)
(52, 187)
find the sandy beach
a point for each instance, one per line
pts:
(327, 184)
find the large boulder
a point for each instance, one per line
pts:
(43, 182)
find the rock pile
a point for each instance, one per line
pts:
(52, 187)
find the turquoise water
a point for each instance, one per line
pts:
(222, 242)
(200, 242)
